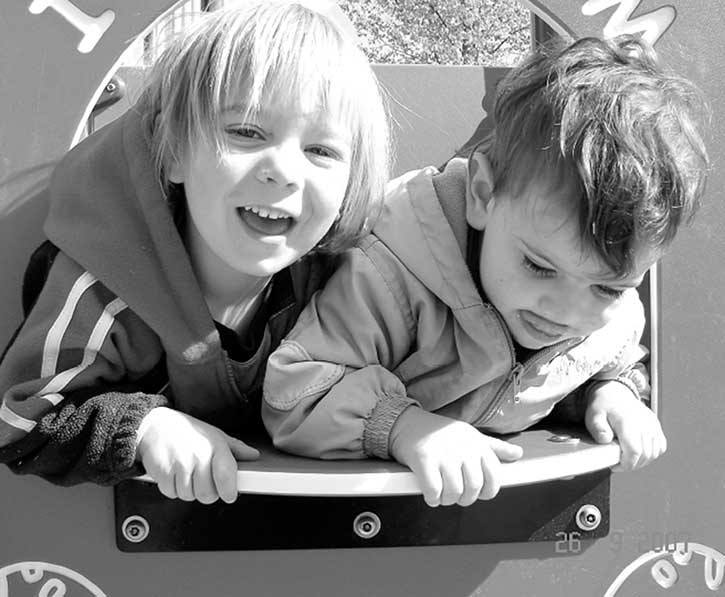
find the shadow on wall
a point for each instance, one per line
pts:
(23, 208)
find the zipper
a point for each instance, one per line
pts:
(517, 369)
(515, 379)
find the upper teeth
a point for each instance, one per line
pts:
(266, 212)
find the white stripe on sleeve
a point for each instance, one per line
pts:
(95, 342)
(51, 348)
(15, 420)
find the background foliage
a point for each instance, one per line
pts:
(441, 31)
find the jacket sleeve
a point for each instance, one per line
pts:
(626, 364)
(329, 391)
(71, 383)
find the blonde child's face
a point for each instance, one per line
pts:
(534, 271)
(270, 197)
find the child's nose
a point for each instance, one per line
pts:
(282, 165)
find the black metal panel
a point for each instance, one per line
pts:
(540, 512)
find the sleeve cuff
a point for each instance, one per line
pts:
(120, 452)
(376, 434)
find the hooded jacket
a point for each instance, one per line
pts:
(402, 323)
(121, 326)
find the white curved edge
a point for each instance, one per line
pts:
(404, 482)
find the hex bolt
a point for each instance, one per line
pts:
(588, 517)
(135, 529)
(366, 525)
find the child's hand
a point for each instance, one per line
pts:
(188, 458)
(613, 411)
(453, 461)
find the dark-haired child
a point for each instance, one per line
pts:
(490, 292)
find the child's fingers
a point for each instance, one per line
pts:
(431, 483)
(660, 444)
(599, 427)
(165, 483)
(505, 451)
(224, 473)
(655, 445)
(162, 476)
(491, 468)
(646, 452)
(452, 478)
(473, 481)
(639, 449)
(203, 484)
(240, 450)
(183, 485)
(631, 449)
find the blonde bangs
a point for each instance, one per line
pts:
(274, 52)
(293, 58)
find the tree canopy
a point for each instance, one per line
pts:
(441, 31)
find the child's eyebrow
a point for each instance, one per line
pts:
(237, 109)
(539, 255)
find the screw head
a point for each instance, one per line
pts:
(588, 518)
(366, 525)
(135, 529)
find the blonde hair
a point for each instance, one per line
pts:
(270, 51)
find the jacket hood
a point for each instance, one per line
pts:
(109, 213)
(424, 223)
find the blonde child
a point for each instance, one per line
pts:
(184, 240)
(505, 286)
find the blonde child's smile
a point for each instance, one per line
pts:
(265, 221)
(268, 196)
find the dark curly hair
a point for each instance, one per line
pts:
(604, 121)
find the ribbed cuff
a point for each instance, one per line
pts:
(120, 453)
(376, 434)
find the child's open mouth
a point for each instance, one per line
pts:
(265, 221)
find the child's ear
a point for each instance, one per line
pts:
(479, 198)
(175, 172)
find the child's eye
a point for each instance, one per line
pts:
(608, 292)
(323, 151)
(244, 131)
(536, 269)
